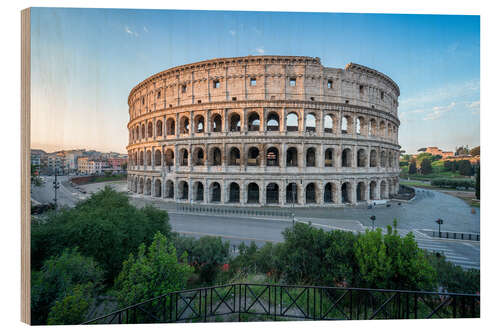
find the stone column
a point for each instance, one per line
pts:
(206, 192)
(282, 193)
(177, 125)
(262, 193)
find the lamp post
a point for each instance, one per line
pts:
(439, 222)
(56, 186)
(373, 218)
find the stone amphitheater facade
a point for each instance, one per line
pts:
(264, 131)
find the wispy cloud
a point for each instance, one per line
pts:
(145, 29)
(260, 50)
(130, 32)
(438, 111)
(474, 106)
(232, 32)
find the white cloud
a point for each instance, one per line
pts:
(131, 32)
(145, 29)
(232, 32)
(260, 50)
(438, 111)
(474, 106)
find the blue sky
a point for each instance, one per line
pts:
(85, 61)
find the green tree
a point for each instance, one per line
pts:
(478, 183)
(413, 168)
(58, 277)
(35, 178)
(105, 226)
(426, 166)
(153, 272)
(73, 308)
(462, 150)
(476, 151)
(465, 168)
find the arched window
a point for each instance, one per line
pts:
(199, 123)
(215, 192)
(311, 123)
(198, 156)
(148, 157)
(273, 122)
(235, 125)
(361, 158)
(234, 192)
(272, 193)
(292, 122)
(198, 191)
(234, 156)
(328, 124)
(383, 190)
(329, 193)
(346, 125)
(329, 161)
(184, 125)
(291, 157)
(291, 193)
(272, 157)
(346, 193)
(184, 157)
(373, 158)
(373, 128)
(169, 157)
(137, 133)
(148, 187)
(311, 157)
(360, 126)
(141, 186)
(311, 193)
(170, 126)
(216, 156)
(159, 128)
(158, 188)
(183, 190)
(253, 193)
(169, 189)
(382, 132)
(217, 123)
(141, 158)
(382, 159)
(373, 188)
(346, 158)
(360, 192)
(143, 131)
(253, 157)
(157, 157)
(254, 122)
(150, 130)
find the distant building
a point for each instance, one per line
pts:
(36, 157)
(438, 152)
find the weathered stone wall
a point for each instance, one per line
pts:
(224, 128)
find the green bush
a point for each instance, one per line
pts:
(452, 183)
(72, 309)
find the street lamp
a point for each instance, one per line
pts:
(56, 186)
(439, 222)
(373, 218)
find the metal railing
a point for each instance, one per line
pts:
(245, 302)
(232, 211)
(456, 235)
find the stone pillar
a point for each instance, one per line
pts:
(177, 125)
(206, 191)
(320, 193)
(282, 193)
(262, 192)
(152, 187)
(353, 192)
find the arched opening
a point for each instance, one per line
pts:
(141, 158)
(390, 159)
(311, 157)
(217, 123)
(134, 185)
(159, 128)
(158, 188)
(137, 133)
(143, 131)
(328, 124)
(360, 192)
(216, 156)
(373, 188)
(291, 157)
(169, 189)
(382, 129)
(215, 192)
(199, 123)
(158, 157)
(291, 193)
(135, 158)
(383, 190)
(234, 156)
(346, 158)
(345, 125)
(253, 193)
(235, 123)
(329, 193)
(254, 122)
(184, 157)
(184, 129)
(292, 122)
(198, 191)
(389, 131)
(253, 157)
(329, 157)
(183, 190)
(170, 126)
(361, 158)
(311, 193)
(234, 192)
(150, 129)
(311, 123)
(148, 186)
(141, 186)
(382, 159)
(169, 157)
(272, 157)
(273, 122)
(360, 125)
(272, 193)
(346, 193)
(373, 158)
(372, 128)
(198, 156)
(148, 157)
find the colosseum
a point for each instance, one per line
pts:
(264, 131)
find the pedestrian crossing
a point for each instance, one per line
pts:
(451, 255)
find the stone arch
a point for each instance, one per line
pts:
(382, 129)
(199, 123)
(141, 186)
(215, 192)
(169, 157)
(272, 157)
(148, 186)
(272, 193)
(329, 193)
(183, 189)
(158, 188)
(361, 159)
(361, 125)
(346, 124)
(157, 157)
(169, 189)
(198, 191)
(373, 158)
(311, 196)
(215, 156)
(159, 128)
(141, 157)
(311, 122)
(253, 193)
(134, 185)
(137, 133)
(373, 190)
(143, 131)
(346, 158)
(311, 157)
(234, 122)
(390, 159)
(292, 193)
(292, 157)
(184, 125)
(372, 129)
(234, 192)
(346, 192)
(150, 129)
(273, 122)
(198, 156)
(253, 122)
(383, 190)
(170, 126)
(217, 123)
(328, 123)
(329, 157)
(383, 158)
(253, 158)
(135, 158)
(234, 156)
(148, 157)
(361, 192)
(184, 157)
(292, 122)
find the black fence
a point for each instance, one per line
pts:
(456, 235)
(232, 211)
(252, 302)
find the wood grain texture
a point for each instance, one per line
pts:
(25, 165)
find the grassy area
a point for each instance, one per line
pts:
(110, 178)
(437, 172)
